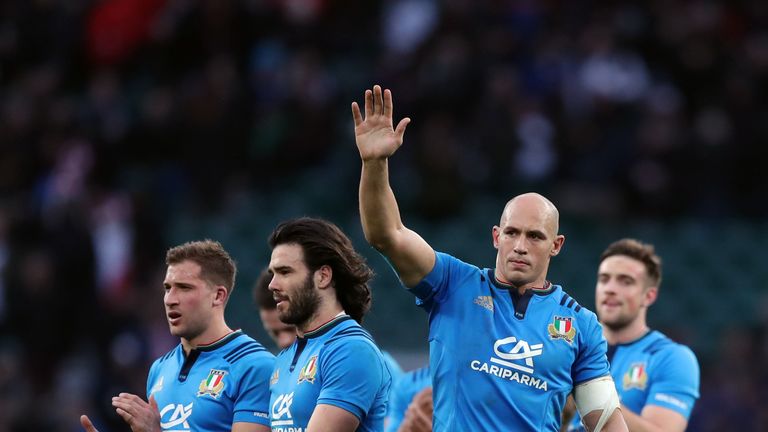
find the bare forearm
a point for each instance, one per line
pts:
(635, 423)
(379, 213)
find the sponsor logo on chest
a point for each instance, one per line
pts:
(513, 361)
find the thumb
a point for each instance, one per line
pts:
(85, 422)
(153, 402)
(400, 129)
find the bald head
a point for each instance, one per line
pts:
(536, 203)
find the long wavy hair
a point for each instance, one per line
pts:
(323, 243)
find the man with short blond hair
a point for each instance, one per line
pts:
(217, 378)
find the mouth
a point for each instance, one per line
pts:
(173, 318)
(519, 263)
(280, 300)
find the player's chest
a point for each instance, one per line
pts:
(631, 371)
(197, 402)
(539, 348)
(294, 389)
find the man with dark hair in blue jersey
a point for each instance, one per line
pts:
(506, 346)
(656, 378)
(217, 378)
(333, 377)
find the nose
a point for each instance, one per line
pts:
(273, 285)
(170, 297)
(519, 246)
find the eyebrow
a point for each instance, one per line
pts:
(280, 268)
(180, 284)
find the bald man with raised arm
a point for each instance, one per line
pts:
(506, 345)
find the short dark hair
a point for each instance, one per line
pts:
(216, 266)
(261, 293)
(643, 252)
(323, 243)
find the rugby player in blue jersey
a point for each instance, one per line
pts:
(217, 378)
(656, 378)
(506, 345)
(333, 377)
(406, 412)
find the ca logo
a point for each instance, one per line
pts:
(521, 351)
(178, 416)
(281, 410)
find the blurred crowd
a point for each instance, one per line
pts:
(118, 118)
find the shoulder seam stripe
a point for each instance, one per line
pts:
(570, 303)
(578, 308)
(340, 336)
(352, 331)
(241, 348)
(564, 299)
(245, 353)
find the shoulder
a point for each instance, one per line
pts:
(569, 306)
(414, 379)
(450, 262)
(674, 355)
(246, 353)
(160, 361)
(352, 341)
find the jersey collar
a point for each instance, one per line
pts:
(325, 328)
(220, 342)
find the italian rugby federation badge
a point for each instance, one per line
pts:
(309, 371)
(636, 377)
(562, 328)
(213, 384)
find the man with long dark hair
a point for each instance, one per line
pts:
(333, 377)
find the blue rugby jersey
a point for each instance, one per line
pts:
(653, 370)
(214, 386)
(337, 364)
(402, 394)
(500, 360)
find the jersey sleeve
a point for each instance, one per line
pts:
(675, 380)
(353, 375)
(152, 376)
(434, 287)
(251, 404)
(591, 359)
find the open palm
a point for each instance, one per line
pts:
(374, 135)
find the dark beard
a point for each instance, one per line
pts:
(303, 305)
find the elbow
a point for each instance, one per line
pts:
(381, 241)
(378, 242)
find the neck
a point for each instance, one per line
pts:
(540, 283)
(626, 334)
(213, 333)
(324, 314)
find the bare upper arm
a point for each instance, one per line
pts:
(411, 256)
(249, 427)
(329, 418)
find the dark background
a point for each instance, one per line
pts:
(129, 126)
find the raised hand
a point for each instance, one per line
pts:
(374, 135)
(141, 416)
